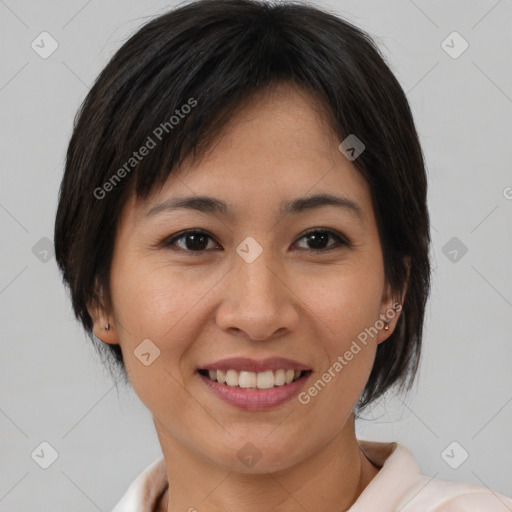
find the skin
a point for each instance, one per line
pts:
(199, 307)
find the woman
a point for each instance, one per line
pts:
(243, 227)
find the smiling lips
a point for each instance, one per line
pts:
(251, 374)
(260, 380)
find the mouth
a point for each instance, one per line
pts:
(254, 385)
(241, 379)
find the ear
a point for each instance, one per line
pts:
(391, 307)
(104, 326)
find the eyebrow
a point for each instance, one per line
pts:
(212, 205)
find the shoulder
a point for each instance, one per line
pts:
(434, 495)
(144, 492)
(400, 486)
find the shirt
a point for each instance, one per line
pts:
(398, 486)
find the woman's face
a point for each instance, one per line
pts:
(252, 286)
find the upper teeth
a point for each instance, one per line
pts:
(260, 380)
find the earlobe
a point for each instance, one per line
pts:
(388, 321)
(391, 309)
(389, 314)
(104, 327)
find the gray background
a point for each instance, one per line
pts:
(52, 385)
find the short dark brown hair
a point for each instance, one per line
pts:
(218, 53)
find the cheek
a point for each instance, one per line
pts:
(346, 299)
(153, 298)
(149, 304)
(345, 309)
(349, 348)
(163, 303)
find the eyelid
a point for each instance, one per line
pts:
(170, 242)
(342, 239)
(334, 232)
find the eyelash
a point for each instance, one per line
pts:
(341, 240)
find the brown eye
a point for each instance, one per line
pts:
(318, 239)
(193, 240)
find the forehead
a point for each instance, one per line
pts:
(278, 147)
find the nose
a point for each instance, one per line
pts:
(258, 300)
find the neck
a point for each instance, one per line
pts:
(329, 480)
